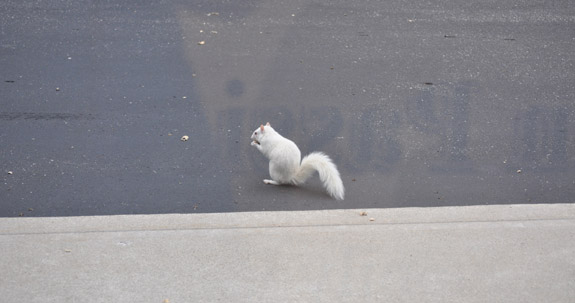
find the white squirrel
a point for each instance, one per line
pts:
(285, 166)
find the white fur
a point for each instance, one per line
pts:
(285, 166)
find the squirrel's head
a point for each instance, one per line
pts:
(260, 133)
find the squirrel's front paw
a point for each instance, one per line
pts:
(253, 143)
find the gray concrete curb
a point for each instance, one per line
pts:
(291, 218)
(504, 253)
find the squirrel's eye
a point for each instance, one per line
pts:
(255, 133)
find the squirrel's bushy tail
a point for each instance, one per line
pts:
(328, 173)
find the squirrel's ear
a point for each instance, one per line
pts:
(268, 124)
(262, 127)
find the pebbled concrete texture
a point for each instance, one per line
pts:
(512, 253)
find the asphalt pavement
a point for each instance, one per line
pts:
(434, 103)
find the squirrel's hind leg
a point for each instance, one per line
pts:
(266, 181)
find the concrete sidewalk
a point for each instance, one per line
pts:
(508, 253)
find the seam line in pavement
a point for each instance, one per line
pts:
(285, 226)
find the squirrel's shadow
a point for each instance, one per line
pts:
(312, 190)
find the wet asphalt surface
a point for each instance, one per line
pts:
(430, 103)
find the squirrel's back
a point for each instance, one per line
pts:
(284, 156)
